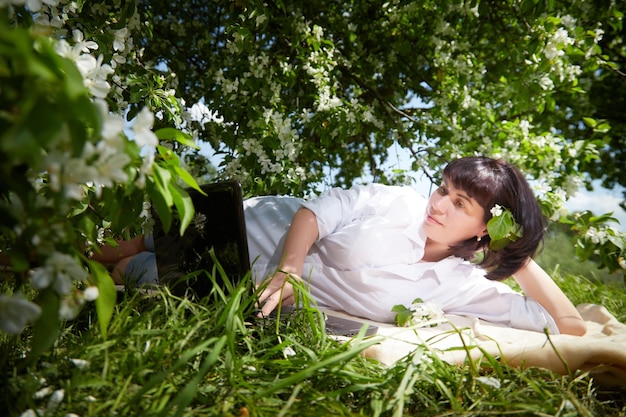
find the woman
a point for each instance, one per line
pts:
(366, 249)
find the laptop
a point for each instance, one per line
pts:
(217, 232)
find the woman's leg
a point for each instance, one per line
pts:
(138, 269)
(109, 254)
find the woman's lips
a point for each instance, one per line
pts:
(431, 219)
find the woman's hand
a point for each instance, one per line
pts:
(277, 290)
(302, 233)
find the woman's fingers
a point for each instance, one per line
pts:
(272, 285)
(278, 291)
(282, 294)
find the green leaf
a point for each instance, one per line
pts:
(105, 303)
(181, 137)
(162, 208)
(46, 329)
(403, 314)
(187, 178)
(499, 226)
(591, 122)
(617, 241)
(503, 229)
(184, 206)
(162, 179)
(499, 244)
(399, 308)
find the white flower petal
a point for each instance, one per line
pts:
(142, 127)
(91, 293)
(489, 381)
(80, 363)
(16, 312)
(41, 277)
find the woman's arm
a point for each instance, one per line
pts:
(301, 235)
(538, 285)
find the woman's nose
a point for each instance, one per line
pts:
(441, 204)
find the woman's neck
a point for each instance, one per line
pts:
(435, 252)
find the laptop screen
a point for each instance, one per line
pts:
(218, 225)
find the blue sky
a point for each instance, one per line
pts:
(600, 201)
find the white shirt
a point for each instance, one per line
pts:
(368, 255)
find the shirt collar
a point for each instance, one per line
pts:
(448, 266)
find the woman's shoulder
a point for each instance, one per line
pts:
(405, 191)
(275, 201)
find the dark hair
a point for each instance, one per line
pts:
(489, 182)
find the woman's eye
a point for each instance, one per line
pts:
(460, 204)
(441, 190)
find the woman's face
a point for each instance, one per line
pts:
(452, 216)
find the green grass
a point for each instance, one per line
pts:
(167, 356)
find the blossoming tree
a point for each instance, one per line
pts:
(318, 93)
(75, 173)
(293, 96)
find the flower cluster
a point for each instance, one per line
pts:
(419, 314)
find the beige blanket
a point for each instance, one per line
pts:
(601, 352)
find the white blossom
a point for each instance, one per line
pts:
(64, 49)
(16, 312)
(34, 5)
(113, 127)
(91, 293)
(95, 74)
(55, 21)
(119, 42)
(55, 400)
(288, 351)
(525, 127)
(142, 129)
(146, 210)
(318, 32)
(92, 69)
(59, 271)
(69, 307)
(542, 187)
(111, 169)
(80, 44)
(496, 210)
(426, 313)
(555, 45)
(598, 34)
(596, 236)
(260, 19)
(489, 381)
(80, 364)
(568, 21)
(546, 83)
(29, 413)
(200, 113)
(42, 393)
